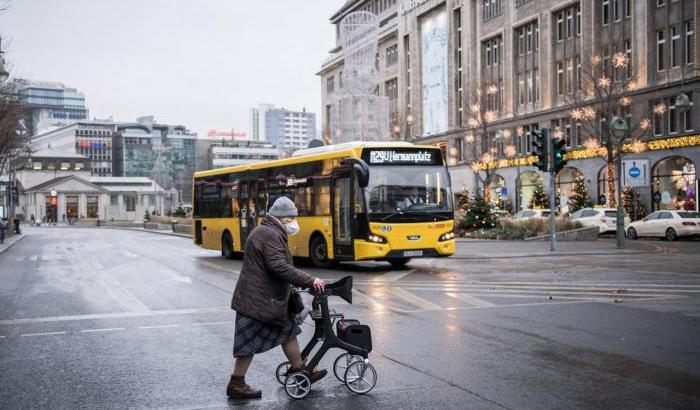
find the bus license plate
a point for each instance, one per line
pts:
(412, 253)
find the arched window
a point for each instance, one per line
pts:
(673, 183)
(526, 185)
(603, 185)
(565, 186)
(496, 186)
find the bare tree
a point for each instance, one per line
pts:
(482, 112)
(603, 91)
(12, 141)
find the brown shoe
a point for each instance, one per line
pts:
(238, 389)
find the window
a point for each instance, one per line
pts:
(578, 20)
(688, 46)
(560, 78)
(521, 40)
(37, 165)
(560, 26)
(675, 46)
(606, 12)
(521, 88)
(340, 79)
(330, 84)
(529, 38)
(660, 41)
(65, 166)
(536, 84)
(130, 200)
(530, 91)
(660, 3)
(392, 55)
(567, 133)
(578, 73)
(496, 55)
(616, 10)
(569, 22)
(672, 119)
(628, 8)
(457, 18)
(492, 8)
(460, 149)
(569, 75)
(687, 118)
(114, 200)
(628, 52)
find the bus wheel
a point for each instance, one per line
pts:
(227, 246)
(398, 263)
(319, 253)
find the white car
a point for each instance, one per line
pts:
(526, 214)
(604, 218)
(666, 224)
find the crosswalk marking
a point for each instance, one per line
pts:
(42, 334)
(469, 299)
(34, 258)
(111, 329)
(413, 299)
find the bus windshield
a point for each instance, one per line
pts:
(408, 193)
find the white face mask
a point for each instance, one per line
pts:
(292, 228)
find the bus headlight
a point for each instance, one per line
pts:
(376, 239)
(446, 236)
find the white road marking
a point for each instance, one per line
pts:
(115, 315)
(110, 329)
(393, 276)
(543, 291)
(469, 299)
(413, 299)
(179, 278)
(157, 326)
(210, 323)
(34, 258)
(42, 334)
(2, 337)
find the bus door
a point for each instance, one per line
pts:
(243, 196)
(342, 216)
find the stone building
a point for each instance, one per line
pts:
(524, 60)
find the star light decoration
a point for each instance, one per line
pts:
(490, 116)
(469, 138)
(592, 144)
(473, 123)
(576, 114)
(475, 108)
(620, 60)
(645, 124)
(520, 131)
(660, 109)
(507, 133)
(625, 101)
(491, 90)
(486, 158)
(558, 133)
(509, 150)
(476, 166)
(595, 60)
(632, 85)
(589, 113)
(604, 82)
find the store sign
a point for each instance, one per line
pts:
(636, 172)
(231, 134)
(402, 157)
(434, 72)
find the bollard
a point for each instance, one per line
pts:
(172, 224)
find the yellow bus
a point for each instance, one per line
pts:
(357, 201)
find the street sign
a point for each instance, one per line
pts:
(635, 172)
(504, 191)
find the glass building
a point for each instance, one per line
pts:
(49, 104)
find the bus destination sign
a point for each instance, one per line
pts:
(402, 157)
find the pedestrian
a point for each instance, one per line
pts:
(261, 296)
(33, 220)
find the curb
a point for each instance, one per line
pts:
(6, 248)
(550, 255)
(180, 235)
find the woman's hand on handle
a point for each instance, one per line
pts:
(319, 285)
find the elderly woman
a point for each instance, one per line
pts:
(261, 297)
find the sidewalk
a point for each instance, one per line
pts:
(10, 241)
(492, 249)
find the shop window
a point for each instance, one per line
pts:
(92, 208)
(527, 181)
(130, 201)
(673, 179)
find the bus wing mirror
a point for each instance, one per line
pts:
(361, 170)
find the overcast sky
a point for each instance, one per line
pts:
(199, 63)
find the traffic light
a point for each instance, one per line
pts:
(558, 154)
(540, 143)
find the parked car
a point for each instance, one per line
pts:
(526, 214)
(666, 224)
(603, 218)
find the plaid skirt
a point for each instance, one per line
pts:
(253, 336)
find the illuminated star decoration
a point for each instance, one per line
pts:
(509, 150)
(645, 124)
(589, 113)
(576, 114)
(490, 116)
(592, 143)
(491, 90)
(660, 109)
(469, 138)
(520, 131)
(604, 82)
(473, 123)
(638, 146)
(620, 60)
(558, 133)
(625, 101)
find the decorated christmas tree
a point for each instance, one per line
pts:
(463, 200)
(631, 200)
(478, 215)
(579, 198)
(539, 198)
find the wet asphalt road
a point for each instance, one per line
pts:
(123, 319)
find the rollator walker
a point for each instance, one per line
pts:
(352, 367)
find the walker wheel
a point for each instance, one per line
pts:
(281, 372)
(297, 385)
(341, 365)
(360, 377)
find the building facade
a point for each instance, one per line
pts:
(218, 153)
(477, 76)
(164, 153)
(49, 104)
(287, 130)
(90, 138)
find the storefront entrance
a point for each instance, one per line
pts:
(673, 184)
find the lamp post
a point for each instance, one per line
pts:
(619, 129)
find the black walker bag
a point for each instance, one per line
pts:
(351, 331)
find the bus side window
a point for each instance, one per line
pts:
(357, 202)
(322, 196)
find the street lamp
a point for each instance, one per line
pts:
(619, 128)
(682, 101)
